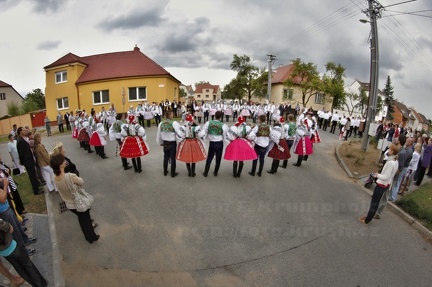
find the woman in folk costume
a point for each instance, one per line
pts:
(134, 144)
(199, 112)
(240, 148)
(83, 136)
(98, 140)
(75, 124)
(228, 111)
(213, 110)
(245, 110)
(191, 149)
(260, 135)
(315, 137)
(302, 143)
(278, 147)
(148, 114)
(290, 132)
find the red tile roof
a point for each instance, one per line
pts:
(114, 65)
(283, 73)
(4, 85)
(199, 88)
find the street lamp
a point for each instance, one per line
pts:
(374, 68)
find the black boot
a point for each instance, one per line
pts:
(272, 171)
(134, 163)
(165, 167)
(284, 164)
(276, 165)
(139, 164)
(173, 169)
(193, 169)
(299, 160)
(305, 157)
(89, 148)
(240, 169)
(254, 165)
(216, 170)
(235, 163)
(189, 169)
(206, 170)
(260, 169)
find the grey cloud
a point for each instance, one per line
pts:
(6, 4)
(48, 45)
(46, 6)
(136, 19)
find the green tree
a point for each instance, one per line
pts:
(245, 82)
(13, 109)
(182, 93)
(35, 100)
(389, 100)
(362, 102)
(334, 84)
(307, 77)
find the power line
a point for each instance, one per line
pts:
(399, 3)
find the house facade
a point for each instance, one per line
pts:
(207, 92)
(401, 115)
(8, 95)
(123, 79)
(293, 95)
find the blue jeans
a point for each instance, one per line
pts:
(397, 183)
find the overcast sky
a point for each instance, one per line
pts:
(195, 40)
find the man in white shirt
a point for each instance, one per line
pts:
(334, 121)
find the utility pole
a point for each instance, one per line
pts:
(271, 58)
(374, 12)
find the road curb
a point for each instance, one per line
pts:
(56, 256)
(392, 206)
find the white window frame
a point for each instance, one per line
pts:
(64, 103)
(137, 90)
(100, 94)
(63, 77)
(319, 98)
(2, 96)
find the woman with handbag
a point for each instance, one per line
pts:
(69, 187)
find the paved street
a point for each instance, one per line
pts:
(295, 228)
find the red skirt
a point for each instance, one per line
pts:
(95, 140)
(276, 153)
(304, 146)
(316, 138)
(240, 150)
(75, 133)
(132, 147)
(191, 151)
(83, 135)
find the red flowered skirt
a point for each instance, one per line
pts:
(191, 151)
(132, 147)
(304, 146)
(83, 135)
(280, 152)
(239, 150)
(95, 140)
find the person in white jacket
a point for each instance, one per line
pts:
(384, 180)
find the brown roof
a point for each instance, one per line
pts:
(283, 73)
(114, 65)
(365, 86)
(416, 115)
(199, 88)
(425, 120)
(4, 85)
(404, 110)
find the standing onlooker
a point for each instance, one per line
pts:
(383, 183)
(62, 182)
(47, 125)
(27, 159)
(72, 121)
(348, 129)
(12, 148)
(18, 258)
(400, 173)
(60, 122)
(425, 161)
(66, 119)
(43, 161)
(412, 167)
(14, 131)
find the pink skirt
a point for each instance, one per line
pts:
(240, 150)
(245, 113)
(278, 154)
(228, 112)
(191, 151)
(133, 146)
(212, 112)
(304, 146)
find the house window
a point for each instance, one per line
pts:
(207, 96)
(2, 96)
(101, 97)
(61, 77)
(288, 94)
(207, 90)
(138, 94)
(62, 104)
(319, 98)
(198, 96)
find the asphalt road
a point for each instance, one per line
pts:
(295, 228)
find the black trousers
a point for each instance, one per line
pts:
(31, 172)
(86, 225)
(124, 160)
(215, 149)
(170, 149)
(376, 198)
(20, 260)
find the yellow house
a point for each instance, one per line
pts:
(123, 79)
